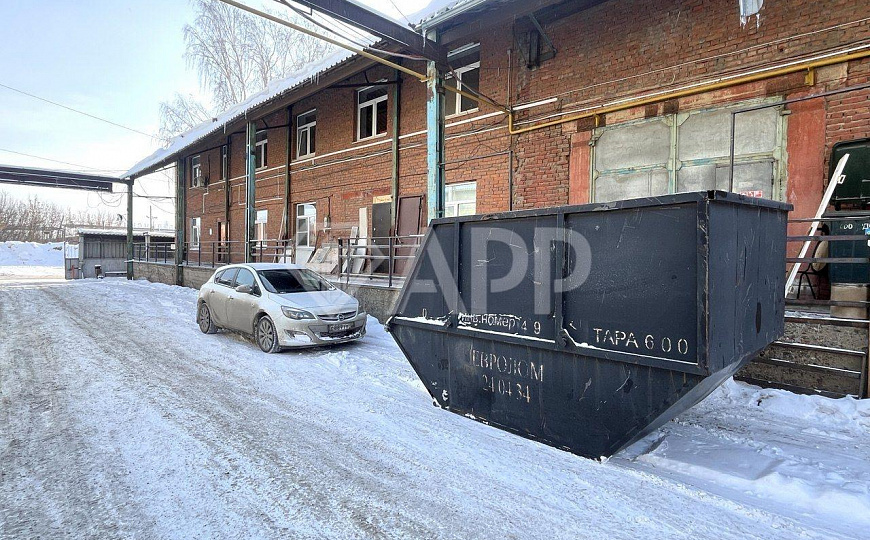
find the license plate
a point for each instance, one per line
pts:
(340, 327)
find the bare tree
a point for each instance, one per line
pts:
(180, 115)
(35, 220)
(236, 54)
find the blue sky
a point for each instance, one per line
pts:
(114, 59)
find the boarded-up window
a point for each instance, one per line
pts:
(689, 152)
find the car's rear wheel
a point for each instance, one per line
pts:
(206, 323)
(265, 335)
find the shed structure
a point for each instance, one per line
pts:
(107, 248)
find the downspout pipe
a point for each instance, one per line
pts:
(227, 201)
(250, 189)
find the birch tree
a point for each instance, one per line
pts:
(235, 55)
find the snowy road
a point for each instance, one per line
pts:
(119, 419)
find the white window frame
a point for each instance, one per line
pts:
(305, 128)
(370, 103)
(196, 171)
(260, 150)
(195, 232)
(310, 225)
(470, 48)
(455, 204)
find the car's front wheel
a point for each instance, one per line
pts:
(206, 323)
(265, 335)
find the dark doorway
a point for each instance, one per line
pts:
(380, 236)
(410, 210)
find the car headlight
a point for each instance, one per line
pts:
(296, 314)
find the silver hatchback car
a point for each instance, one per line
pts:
(281, 305)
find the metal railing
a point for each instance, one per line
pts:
(215, 253)
(841, 363)
(379, 257)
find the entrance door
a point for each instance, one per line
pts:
(380, 236)
(410, 210)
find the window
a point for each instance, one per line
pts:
(224, 163)
(260, 149)
(194, 232)
(460, 199)
(371, 112)
(306, 124)
(245, 277)
(195, 172)
(306, 217)
(293, 281)
(226, 277)
(690, 152)
(465, 76)
(260, 225)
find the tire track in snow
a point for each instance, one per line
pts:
(287, 456)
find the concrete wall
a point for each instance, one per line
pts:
(192, 276)
(376, 301)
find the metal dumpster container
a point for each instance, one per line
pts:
(587, 327)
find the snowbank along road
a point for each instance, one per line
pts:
(118, 418)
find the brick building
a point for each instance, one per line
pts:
(610, 100)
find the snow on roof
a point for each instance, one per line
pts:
(123, 232)
(274, 90)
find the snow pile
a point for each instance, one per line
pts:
(774, 449)
(31, 259)
(31, 254)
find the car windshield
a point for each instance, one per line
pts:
(285, 281)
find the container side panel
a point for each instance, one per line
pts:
(640, 295)
(507, 273)
(592, 407)
(431, 286)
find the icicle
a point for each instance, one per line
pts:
(748, 8)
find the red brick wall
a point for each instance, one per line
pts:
(616, 50)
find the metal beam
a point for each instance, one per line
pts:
(29, 176)
(376, 24)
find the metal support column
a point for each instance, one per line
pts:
(130, 229)
(286, 227)
(434, 139)
(250, 190)
(180, 220)
(394, 184)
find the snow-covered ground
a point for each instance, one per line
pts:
(31, 260)
(118, 418)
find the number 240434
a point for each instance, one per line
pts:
(496, 385)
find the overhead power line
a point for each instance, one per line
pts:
(76, 110)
